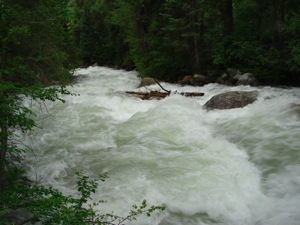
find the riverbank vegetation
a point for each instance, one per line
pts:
(42, 41)
(170, 39)
(38, 50)
(165, 39)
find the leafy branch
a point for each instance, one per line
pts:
(49, 206)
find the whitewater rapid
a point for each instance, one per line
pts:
(229, 167)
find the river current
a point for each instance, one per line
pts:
(230, 167)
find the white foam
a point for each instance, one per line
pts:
(216, 167)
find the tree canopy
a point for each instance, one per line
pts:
(41, 40)
(169, 39)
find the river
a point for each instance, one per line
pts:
(230, 167)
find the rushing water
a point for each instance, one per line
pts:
(231, 167)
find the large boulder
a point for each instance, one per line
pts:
(231, 99)
(147, 81)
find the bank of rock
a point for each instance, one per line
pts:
(235, 77)
(230, 100)
(230, 77)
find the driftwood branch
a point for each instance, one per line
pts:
(190, 94)
(162, 86)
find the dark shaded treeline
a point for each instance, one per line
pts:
(40, 40)
(169, 39)
(35, 41)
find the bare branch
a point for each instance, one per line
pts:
(162, 86)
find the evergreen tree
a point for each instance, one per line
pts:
(33, 43)
(172, 38)
(100, 40)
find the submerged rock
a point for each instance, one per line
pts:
(230, 100)
(295, 109)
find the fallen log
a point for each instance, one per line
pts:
(157, 94)
(148, 95)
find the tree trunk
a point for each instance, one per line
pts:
(228, 17)
(4, 141)
(196, 54)
(4, 134)
(193, 20)
(3, 150)
(141, 33)
(280, 22)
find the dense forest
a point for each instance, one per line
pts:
(41, 41)
(170, 39)
(164, 39)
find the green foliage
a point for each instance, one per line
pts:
(170, 39)
(99, 39)
(34, 40)
(294, 61)
(39, 42)
(246, 55)
(49, 206)
(12, 110)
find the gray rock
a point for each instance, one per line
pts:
(224, 79)
(247, 79)
(233, 72)
(230, 77)
(230, 100)
(237, 76)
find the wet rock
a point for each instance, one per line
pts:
(232, 72)
(195, 80)
(230, 77)
(147, 81)
(246, 79)
(224, 79)
(230, 100)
